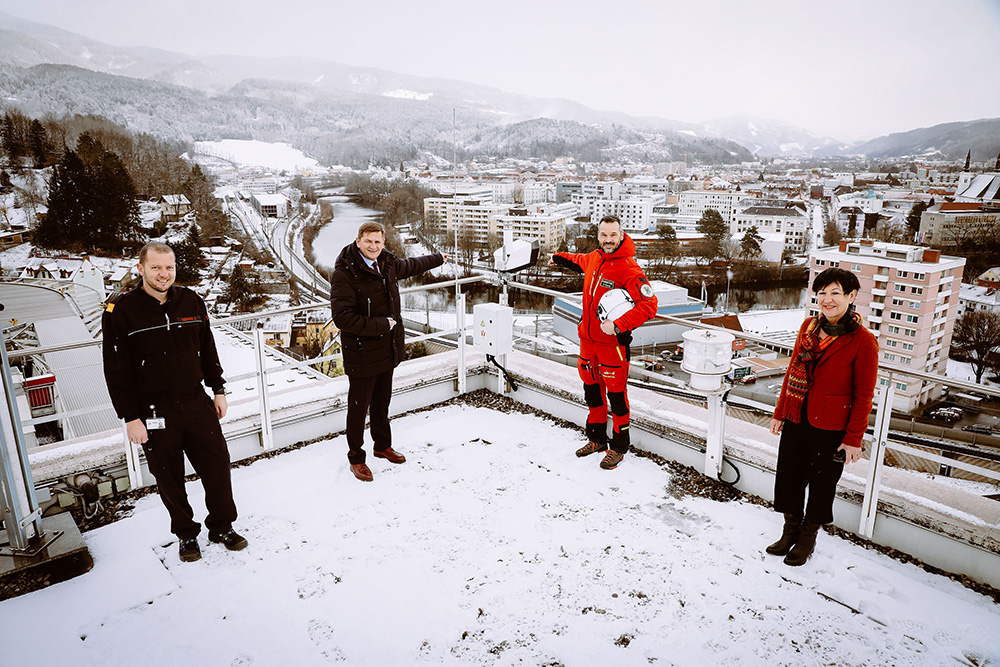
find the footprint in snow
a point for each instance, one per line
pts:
(242, 660)
(323, 637)
(315, 582)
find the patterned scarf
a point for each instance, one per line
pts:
(801, 366)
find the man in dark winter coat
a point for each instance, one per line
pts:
(364, 300)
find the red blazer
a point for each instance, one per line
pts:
(843, 386)
(603, 272)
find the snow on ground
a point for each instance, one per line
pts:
(980, 488)
(962, 370)
(492, 545)
(15, 256)
(770, 321)
(252, 153)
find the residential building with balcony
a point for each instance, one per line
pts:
(692, 204)
(592, 191)
(635, 211)
(909, 299)
(436, 208)
(545, 222)
(787, 219)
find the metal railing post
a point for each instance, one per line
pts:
(132, 460)
(716, 434)
(880, 439)
(263, 399)
(20, 509)
(460, 325)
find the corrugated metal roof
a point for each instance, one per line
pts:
(32, 303)
(79, 377)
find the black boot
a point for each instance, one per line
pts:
(804, 547)
(789, 536)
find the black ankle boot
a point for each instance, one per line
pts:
(789, 536)
(804, 547)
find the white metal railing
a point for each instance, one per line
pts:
(713, 455)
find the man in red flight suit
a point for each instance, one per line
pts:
(604, 346)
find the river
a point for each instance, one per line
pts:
(347, 217)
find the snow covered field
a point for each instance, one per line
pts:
(250, 153)
(492, 545)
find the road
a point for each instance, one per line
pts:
(818, 223)
(281, 238)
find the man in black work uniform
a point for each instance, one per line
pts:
(364, 300)
(157, 351)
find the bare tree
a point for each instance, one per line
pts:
(977, 336)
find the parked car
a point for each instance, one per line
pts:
(748, 379)
(985, 429)
(945, 415)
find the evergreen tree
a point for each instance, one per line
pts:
(38, 144)
(92, 203)
(69, 213)
(831, 233)
(913, 218)
(200, 191)
(116, 219)
(13, 141)
(715, 229)
(189, 257)
(750, 245)
(243, 291)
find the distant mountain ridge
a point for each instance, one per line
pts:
(948, 141)
(353, 115)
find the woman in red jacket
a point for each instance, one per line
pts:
(822, 412)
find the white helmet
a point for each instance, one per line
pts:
(613, 304)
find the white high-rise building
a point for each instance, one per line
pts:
(908, 298)
(692, 204)
(636, 212)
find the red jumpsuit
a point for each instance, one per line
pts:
(603, 362)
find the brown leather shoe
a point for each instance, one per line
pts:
(362, 472)
(391, 455)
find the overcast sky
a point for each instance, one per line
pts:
(849, 69)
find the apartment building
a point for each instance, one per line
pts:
(545, 222)
(565, 191)
(692, 204)
(787, 219)
(486, 221)
(436, 208)
(909, 299)
(591, 191)
(635, 212)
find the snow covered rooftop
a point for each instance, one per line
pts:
(493, 544)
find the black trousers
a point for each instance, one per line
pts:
(192, 428)
(805, 461)
(368, 394)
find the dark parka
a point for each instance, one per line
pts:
(360, 302)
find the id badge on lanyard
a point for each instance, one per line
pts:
(155, 423)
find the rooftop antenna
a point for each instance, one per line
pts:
(454, 140)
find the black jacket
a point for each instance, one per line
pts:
(361, 300)
(155, 351)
